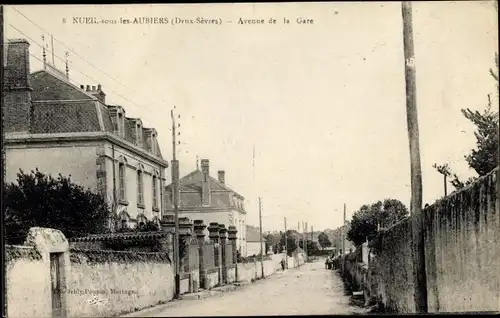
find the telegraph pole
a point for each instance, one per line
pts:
(286, 247)
(261, 248)
(2, 172)
(305, 240)
(176, 190)
(419, 279)
(342, 249)
(343, 230)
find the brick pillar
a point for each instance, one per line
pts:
(167, 224)
(223, 239)
(213, 230)
(185, 233)
(231, 235)
(199, 229)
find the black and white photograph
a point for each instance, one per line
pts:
(250, 159)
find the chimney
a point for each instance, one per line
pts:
(17, 98)
(205, 189)
(98, 93)
(222, 176)
(17, 68)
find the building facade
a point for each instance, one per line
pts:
(254, 240)
(203, 197)
(60, 128)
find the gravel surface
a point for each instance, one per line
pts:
(308, 290)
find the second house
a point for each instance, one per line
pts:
(203, 197)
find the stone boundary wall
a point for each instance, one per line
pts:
(462, 255)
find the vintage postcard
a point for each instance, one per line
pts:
(250, 159)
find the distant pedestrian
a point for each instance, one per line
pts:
(283, 264)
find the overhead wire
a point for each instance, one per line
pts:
(76, 54)
(84, 74)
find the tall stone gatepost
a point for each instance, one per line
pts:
(199, 231)
(167, 224)
(231, 235)
(54, 249)
(185, 235)
(213, 230)
(189, 275)
(223, 240)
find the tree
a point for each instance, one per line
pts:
(484, 158)
(324, 240)
(290, 242)
(369, 219)
(393, 211)
(40, 200)
(312, 247)
(363, 225)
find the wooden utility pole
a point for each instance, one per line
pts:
(286, 247)
(419, 277)
(445, 187)
(3, 159)
(343, 230)
(260, 227)
(342, 249)
(176, 199)
(305, 239)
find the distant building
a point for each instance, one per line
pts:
(335, 237)
(57, 127)
(254, 240)
(203, 197)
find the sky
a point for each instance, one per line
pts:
(323, 103)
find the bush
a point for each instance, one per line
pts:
(39, 200)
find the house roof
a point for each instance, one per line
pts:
(59, 106)
(253, 234)
(191, 187)
(193, 181)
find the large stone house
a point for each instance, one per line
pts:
(203, 197)
(57, 127)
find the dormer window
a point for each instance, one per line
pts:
(153, 143)
(121, 125)
(138, 136)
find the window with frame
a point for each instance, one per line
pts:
(121, 125)
(121, 180)
(140, 193)
(139, 135)
(155, 192)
